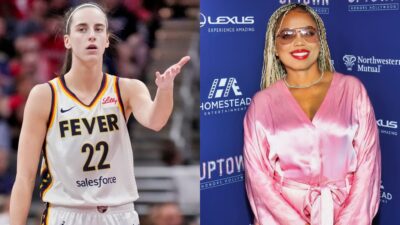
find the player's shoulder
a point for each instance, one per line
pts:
(127, 84)
(40, 100)
(41, 91)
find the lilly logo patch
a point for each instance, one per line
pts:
(109, 101)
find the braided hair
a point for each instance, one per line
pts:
(273, 69)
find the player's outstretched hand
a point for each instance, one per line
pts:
(166, 80)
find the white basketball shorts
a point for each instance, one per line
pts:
(101, 215)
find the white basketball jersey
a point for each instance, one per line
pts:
(88, 158)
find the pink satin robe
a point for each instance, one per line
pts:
(320, 172)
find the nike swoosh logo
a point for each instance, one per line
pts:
(66, 110)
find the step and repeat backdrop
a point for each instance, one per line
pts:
(364, 39)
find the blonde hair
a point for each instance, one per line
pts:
(273, 69)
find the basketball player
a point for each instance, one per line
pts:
(79, 119)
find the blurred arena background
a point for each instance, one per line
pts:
(154, 34)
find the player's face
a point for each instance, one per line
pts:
(88, 35)
(297, 41)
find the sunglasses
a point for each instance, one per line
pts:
(287, 36)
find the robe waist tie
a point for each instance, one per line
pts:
(320, 198)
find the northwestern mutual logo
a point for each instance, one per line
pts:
(320, 6)
(370, 64)
(224, 97)
(388, 127)
(227, 24)
(220, 172)
(372, 5)
(349, 61)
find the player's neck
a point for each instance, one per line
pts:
(84, 78)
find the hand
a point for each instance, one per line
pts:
(166, 80)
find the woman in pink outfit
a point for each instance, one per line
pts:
(312, 152)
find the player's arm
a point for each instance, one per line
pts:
(32, 135)
(150, 113)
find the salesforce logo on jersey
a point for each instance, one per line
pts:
(227, 24)
(224, 96)
(320, 6)
(370, 64)
(222, 171)
(372, 5)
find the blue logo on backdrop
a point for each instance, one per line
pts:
(317, 5)
(372, 5)
(227, 24)
(386, 196)
(219, 100)
(220, 172)
(369, 64)
(388, 127)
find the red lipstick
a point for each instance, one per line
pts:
(300, 54)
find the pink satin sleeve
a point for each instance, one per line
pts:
(268, 205)
(362, 203)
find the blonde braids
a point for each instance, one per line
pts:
(273, 70)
